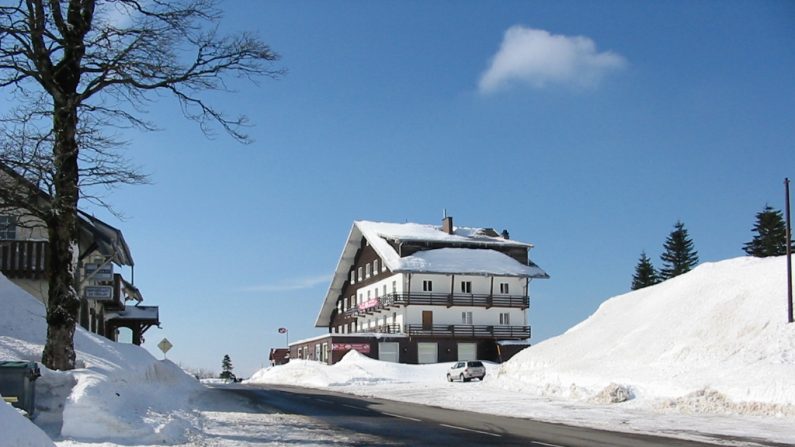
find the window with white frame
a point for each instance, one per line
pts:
(504, 288)
(427, 285)
(384, 289)
(376, 292)
(368, 268)
(394, 286)
(353, 277)
(8, 228)
(360, 272)
(345, 306)
(466, 317)
(368, 295)
(505, 318)
(353, 300)
(466, 286)
(375, 267)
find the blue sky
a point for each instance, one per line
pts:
(599, 126)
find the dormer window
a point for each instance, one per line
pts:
(353, 277)
(360, 272)
(375, 267)
(8, 228)
(369, 271)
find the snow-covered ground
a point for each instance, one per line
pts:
(705, 356)
(121, 395)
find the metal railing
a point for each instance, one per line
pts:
(383, 329)
(466, 330)
(442, 299)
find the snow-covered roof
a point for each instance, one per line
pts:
(468, 251)
(469, 261)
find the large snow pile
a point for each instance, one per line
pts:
(712, 340)
(17, 431)
(119, 391)
(353, 370)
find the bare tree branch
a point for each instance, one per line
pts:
(80, 69)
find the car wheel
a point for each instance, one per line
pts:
(449, 379)
(461, 378)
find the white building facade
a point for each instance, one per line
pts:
(418, 293)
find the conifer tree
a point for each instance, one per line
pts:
(645, 273)
(679, 256)
(226, 368)
(771, 234)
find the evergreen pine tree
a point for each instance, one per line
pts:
(771, 234)
(679, 256)
(226, 368)
(645, 273)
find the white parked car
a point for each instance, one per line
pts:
(466, 371)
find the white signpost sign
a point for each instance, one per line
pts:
(98, 272)
(164, 346)
(98, 293)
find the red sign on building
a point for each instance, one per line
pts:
(364, 348)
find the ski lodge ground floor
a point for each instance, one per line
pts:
(330, 348)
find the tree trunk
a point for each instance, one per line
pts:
(63, 302)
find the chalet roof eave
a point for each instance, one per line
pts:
(340, 276)
(108, 240)
(502, 274)
(472, 242)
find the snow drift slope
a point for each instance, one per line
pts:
(717, 333)
(119, 391)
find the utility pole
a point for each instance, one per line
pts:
(789, 252)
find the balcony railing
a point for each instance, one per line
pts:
(441, 299)
(24, 259)
(465, 330)
(383, 329)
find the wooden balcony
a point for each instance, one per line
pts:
(383, 329)
(457, 299)
(24, 259)
(443, 299)
(466, 330)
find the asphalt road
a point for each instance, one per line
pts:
(405, 424)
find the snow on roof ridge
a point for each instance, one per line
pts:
(430, 232)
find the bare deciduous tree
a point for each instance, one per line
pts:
(76, 69)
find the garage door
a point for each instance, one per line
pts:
(388, 352)
(467, 351)
(426, 352)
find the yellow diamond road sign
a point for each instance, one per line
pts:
(164, 345)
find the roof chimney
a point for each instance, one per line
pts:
(505, 234)
(447, 224)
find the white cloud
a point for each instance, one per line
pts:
(538, 58)
(290, 284)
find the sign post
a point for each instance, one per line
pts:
(790, 318)
(283, 330)
(165, 346)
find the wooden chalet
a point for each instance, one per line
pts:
(414, 293)
(108, 301)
